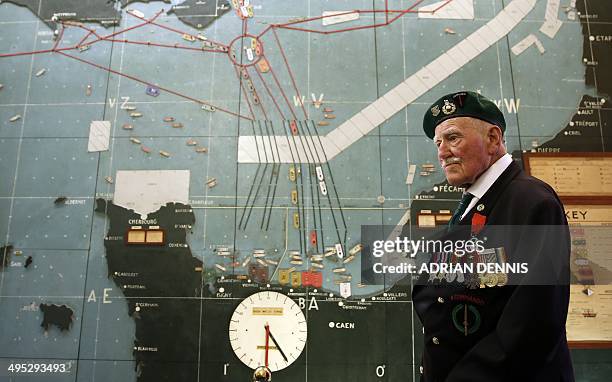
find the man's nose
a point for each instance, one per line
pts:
(443, 151)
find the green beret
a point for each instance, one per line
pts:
(462, 104)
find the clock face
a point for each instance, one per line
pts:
(268, 322)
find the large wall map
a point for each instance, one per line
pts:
(162, 162)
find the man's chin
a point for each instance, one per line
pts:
(454, 181)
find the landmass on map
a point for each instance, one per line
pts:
(168, 289)
(595, 22)
(195, 13)
(589, 128)
(162, 285)
(58, 315)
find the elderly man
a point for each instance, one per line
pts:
(506, 331)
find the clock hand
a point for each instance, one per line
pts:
(267, 327)
(276, 344)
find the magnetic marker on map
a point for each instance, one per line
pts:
(329, 252)
(208, 108)
(246, 261)
(356, 249)
(152, 91)
(188, 37)
(136, 13)
(220, 267)
(348, 259)
(260, 261)
(211, 182)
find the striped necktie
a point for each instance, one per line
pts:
(463, 204)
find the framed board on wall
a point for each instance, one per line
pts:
(584, 183)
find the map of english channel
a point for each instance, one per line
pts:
(165, 161)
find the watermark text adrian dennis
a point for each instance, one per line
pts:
(451, 255)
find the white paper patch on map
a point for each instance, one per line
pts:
(454, 10)
(99, 136)
(337, 17)
(525, 43)
(552, 23)
(145, 191)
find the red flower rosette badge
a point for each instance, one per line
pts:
(478, 223)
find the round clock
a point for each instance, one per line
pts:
(268, 329)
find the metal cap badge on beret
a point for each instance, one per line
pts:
(462, 104)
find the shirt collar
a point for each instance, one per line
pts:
(486, 180)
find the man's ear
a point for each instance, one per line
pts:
(495, 137)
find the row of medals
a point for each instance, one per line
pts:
(471, 280)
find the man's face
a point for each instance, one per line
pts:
(464, 150)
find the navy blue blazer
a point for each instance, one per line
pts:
(515, 333)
